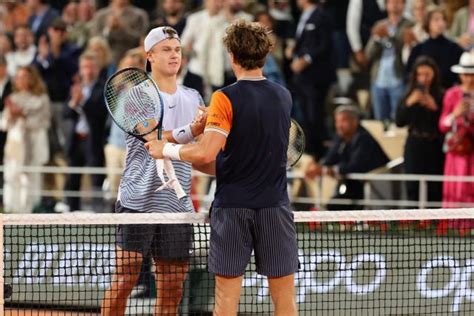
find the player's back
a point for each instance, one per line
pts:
(251, 170)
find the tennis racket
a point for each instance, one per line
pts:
(136, 106)
(296, 144)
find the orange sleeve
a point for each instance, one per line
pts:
(219, 116)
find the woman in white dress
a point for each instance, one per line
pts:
(26, 118)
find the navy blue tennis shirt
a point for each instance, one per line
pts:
(254, 115)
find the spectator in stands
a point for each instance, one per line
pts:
(273, 62)
(193, 43)
(420, 110)
(313, 71)
(69, 13)
(445, 52)
(42, 15)
(353, 150)
(284, 26)
(16, 14)
(26, 118)
(170, 13)
(57, 61)
(457, 118)
(462, 28)
(384, 53)
(5, 91)
(87, 112)
(416, 34)
(79, 32)
(217, 71)
(99, 46)
(6, 44)
(361, 17)
(122, 24)
(25, 50)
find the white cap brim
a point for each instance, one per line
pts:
(458, 69)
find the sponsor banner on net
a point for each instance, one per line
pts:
(388, 274)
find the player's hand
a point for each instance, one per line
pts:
(199, 122)
(155, 148)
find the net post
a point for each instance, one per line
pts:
(2, 267)
(423, 196)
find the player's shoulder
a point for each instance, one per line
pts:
(190, 93)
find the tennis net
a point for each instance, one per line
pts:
(389, 262)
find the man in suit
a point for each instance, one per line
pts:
(313, 70)
(87, 112)
(41, 17)
(5, 90)
(354, 150)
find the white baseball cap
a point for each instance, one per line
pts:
(157, 35)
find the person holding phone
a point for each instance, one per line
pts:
(420, 110)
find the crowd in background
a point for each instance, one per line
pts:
(411, 57)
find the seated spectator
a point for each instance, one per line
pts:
(42, 15)
(25, 50)
(384, 53)
(458, 117)
(353, 150)
(99, 46)
(444, 52)
(26, 118)
(122, 24)
(420, 110)
(462, 28)
(87, 113)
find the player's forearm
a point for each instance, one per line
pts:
(196, 154)
(209, 168)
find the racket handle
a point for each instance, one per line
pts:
(169, 169)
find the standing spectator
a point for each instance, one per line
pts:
(361, 17)
(445, 52)
(5, 90)
(6, 44)
(420, 110)
(313, 70)
(384, 53)
(217, 70)
(42, 15)
(353, 150)
(87, 112)
(25, 50)
(170, 13)
(272, 69)
(99, 46)
(458, 116)
(122, 24)
(417, 33)
(193, 43)
(79, 32)
(57, 61)
(284, 23)
(26, 117)
(16, 14)
(462, 29)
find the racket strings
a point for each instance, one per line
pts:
(296, 144)
(132, 98)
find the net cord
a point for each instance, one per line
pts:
(78, 218)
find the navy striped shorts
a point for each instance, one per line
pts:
(269, 232)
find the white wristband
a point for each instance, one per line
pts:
(183, 135)
(171, 151)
